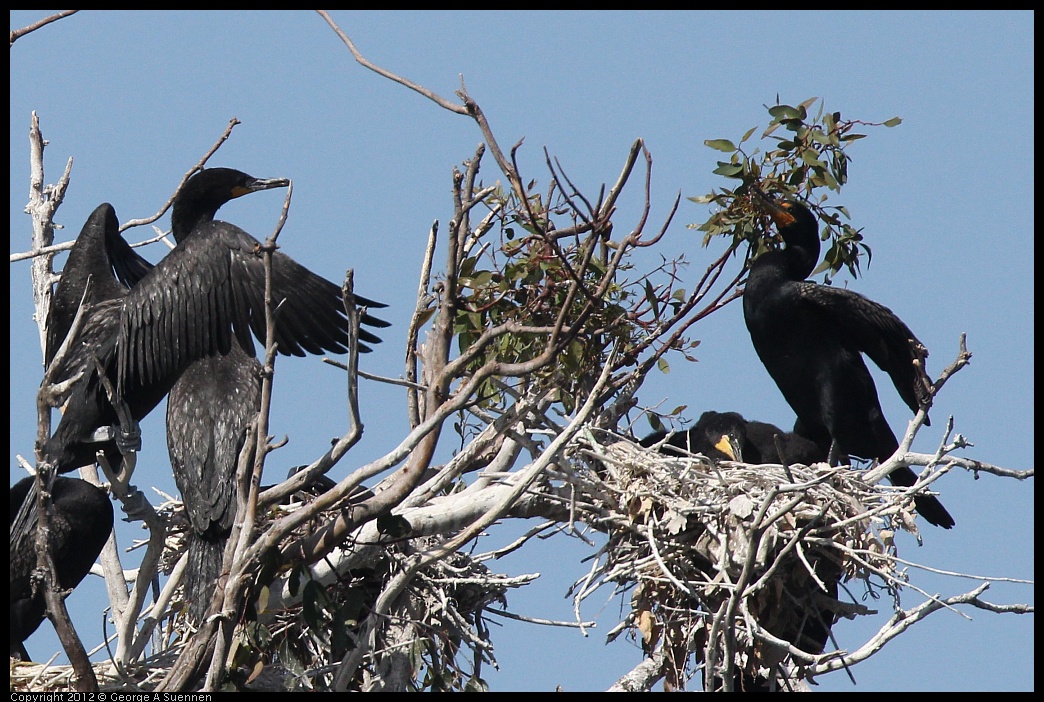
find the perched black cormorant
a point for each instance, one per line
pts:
(216, 397)
(214, 401)
(206, 295)
(810, 338)
(81, 520)
(208, 412)
(727, 436)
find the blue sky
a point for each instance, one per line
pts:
(945, 201)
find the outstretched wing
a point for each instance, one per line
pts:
(87, 268)
(210, 288)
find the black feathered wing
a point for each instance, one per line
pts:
(876, 331)
(128, 265)
(210, 288)
(87, 270)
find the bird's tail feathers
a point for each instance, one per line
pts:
(928, 506)
(201, 576)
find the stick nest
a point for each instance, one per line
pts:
(737, 564)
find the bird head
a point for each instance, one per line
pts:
(729, 445)
(788, 215)
(224, 184)
(247, 184)
(207, 190)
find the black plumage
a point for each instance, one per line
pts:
(727, 436)
(216, 397)
(811, 338)
(204, 296)
(803, 613)
(209, 410)
(80, 523)
(88, 279)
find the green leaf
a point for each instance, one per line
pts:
(894, 122)
(662, 364)
(720, 145)
(597, 266)
(512, 247)
(467, 266)
(747, 135)
(269, 566)
(824, 177)
(784, 112)
(424, 316)
(650, 296)
(807, 103)
(729, 170)
(810, 158)
(475, 684)
(819, 136)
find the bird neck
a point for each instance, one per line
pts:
(791, 263)
(801, 253)
(188, 214)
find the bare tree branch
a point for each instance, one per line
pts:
(19, 33)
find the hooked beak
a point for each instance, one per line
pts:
(780, 215)
(260, 184)
(729, 447)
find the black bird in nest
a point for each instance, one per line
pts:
(798, 610)
(727, 436)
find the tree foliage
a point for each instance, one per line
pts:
(809, 158)
(536, 324)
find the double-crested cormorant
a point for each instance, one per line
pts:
(213, 402)
(206, 295)
(208, 412)
(810, 338)
(803, 617)
(216, 397)
(727, 436)
(81, 520)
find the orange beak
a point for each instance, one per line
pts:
(779, 214)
